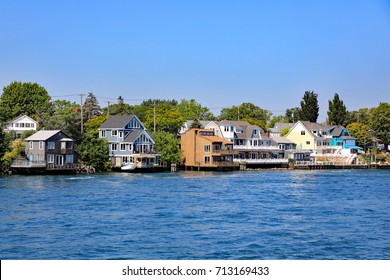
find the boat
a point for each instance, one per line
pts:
(128, 166)
(142, 163)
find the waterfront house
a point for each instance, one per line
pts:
(129, 141)
(202, 149)
(21, 124)
(47, 151)
(254, 148)
(330, 141)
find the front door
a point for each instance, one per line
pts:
(60, 160)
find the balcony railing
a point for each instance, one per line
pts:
(263, 161)
(257, 148)
(224, 151)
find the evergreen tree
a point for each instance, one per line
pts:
(292, 115)
(337, 113)
(91, 107)
(309, 107)
(196, 124)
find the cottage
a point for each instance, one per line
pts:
(21, 124)
(48, 150)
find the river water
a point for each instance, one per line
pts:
(273, 214)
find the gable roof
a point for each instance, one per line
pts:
(44, 135)
(279, 126)
(134, 134)
(117, 121)
(282, 140)
(20, 117)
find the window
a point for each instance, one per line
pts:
(41, 145)
(307, 142)
(303, 132)
(123, 147)
(121, 134)
(69, 145)
(207, 160)
(226, 128)
(114, 147)
(114, 132)
(51, 145)
(50, 158)
(69, 159)
(255, 131)
(130, 147)
(30, 145)
(17, 125)
(103, 133)
(207, 148)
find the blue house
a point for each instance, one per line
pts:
(129, 141)
(340, 138)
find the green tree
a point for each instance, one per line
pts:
(63, 115)
(274, 120)
(196, 124)
(94, 151)
(285, 131)
(167, 145)
(380, 122)
(92, 125)
(245, 110)
(361, 133)
(259, 123)
(91, 107)
(23, 99)
(309, 107)
(190, 109)
(361, 116)
(168, 119)
(292, 115)
(337, 112)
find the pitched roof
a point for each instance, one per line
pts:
(279, 126)
(203, 123)
(117, 121)
(282, 140)
(133, 135)
(43, 135)
(22, 116)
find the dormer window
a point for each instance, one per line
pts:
(255, 131)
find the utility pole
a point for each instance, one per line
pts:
(81, 112)
(108, 109)
(238, 113)
(154, 117)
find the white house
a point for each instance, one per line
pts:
(20, 125)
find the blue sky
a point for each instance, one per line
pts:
(221, 53)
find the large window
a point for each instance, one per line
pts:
(114, 132)
(50, 158)
(51, 145)
(69, 159)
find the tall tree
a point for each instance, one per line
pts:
(94, 151)
(380, 122)
(165, 118)
(361, 133)
(23, 99)
(292, 115)
(91, 107)
(190, 109)
(309, 107)
(167, 145)
(360, 116)
(245, 111)
(337, 112)
(63, 115)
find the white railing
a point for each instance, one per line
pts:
(257, 148)
(263, 160)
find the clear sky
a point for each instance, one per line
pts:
(221, 53)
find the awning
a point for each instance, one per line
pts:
(353, 147)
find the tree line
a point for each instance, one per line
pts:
(165, 117)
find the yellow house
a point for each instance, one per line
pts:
(304, 134)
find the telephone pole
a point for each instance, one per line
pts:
(154, 117)
(81, 112)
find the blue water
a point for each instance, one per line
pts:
(336, 214)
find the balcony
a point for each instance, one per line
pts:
(263, 161)
(255, 148)
(223, 152)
